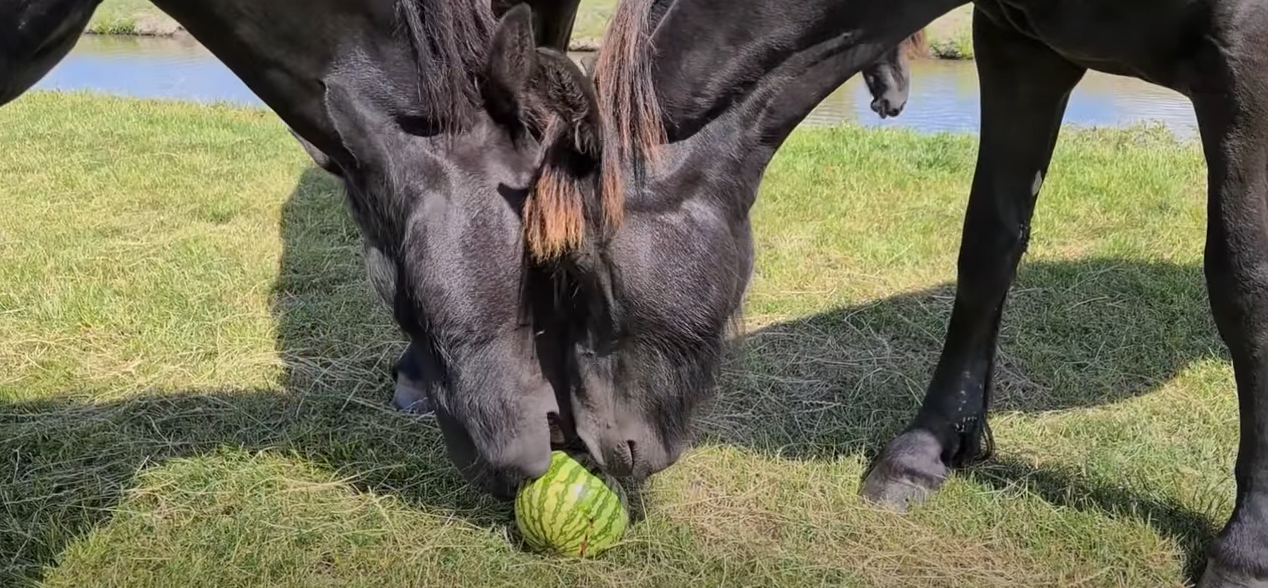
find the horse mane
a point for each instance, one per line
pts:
(917, 45)
(450, 39)
(627, 98)
(555, 216)
(556, 213)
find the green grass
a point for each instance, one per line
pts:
(193, 388)
(124, 17)
(949, 36)
(959, 45)
(592, 19)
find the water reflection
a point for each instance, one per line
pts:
(943, 96)
(148, 67)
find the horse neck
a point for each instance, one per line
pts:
(284, 49)
(747, 77)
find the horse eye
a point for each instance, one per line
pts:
(419, 126)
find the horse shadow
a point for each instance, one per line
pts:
(837, 383)
(74, 457)
(1074, 334)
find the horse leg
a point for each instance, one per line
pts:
(1025, 87)
(1234, 126)
(409, 373)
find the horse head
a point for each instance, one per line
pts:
(439, 195)
(693, 97)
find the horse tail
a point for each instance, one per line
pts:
(559, 213)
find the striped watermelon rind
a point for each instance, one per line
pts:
(569, 511)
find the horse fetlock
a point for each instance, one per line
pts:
(1239, 555)
(907, 471)
(972, 442)
(1221, 576)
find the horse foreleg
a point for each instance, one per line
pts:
(409, 375)
(410, 372)
(1025, 87)
(1234, 125)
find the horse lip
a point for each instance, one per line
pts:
(592, 446)
(615, 457)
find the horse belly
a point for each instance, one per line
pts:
(1156, 41)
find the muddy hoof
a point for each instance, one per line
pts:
(907, 472)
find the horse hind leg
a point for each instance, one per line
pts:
(1025, 87)
(1234, 124)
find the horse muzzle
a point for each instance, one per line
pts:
(630, 446)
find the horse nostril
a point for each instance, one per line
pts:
(883, 107)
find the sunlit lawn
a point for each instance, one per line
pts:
(193, 386)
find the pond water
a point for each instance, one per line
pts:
(944, 94)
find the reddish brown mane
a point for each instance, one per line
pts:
(627, 99)
(554, 214)
(554, 217)
(916, 45)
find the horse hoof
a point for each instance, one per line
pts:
(1217, 576)
(410, 400)
(907, 472)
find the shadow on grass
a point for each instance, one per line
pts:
(1076, 334)
(1190, 530)
(71, 458)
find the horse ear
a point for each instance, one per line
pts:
(560, 86)
(521, 77)
(511, 64)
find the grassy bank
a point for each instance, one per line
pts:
(193, 390)
(949, 36)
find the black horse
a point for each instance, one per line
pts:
(552, 213)
(696, 96)
(431, 112)
(643, 218)
(437, 124)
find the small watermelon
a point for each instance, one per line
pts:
(569, 511)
